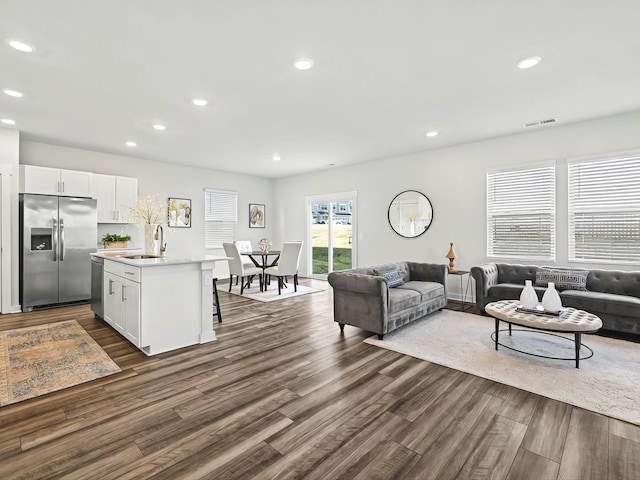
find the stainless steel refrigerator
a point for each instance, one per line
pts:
(57, 235)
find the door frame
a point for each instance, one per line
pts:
(331, 198)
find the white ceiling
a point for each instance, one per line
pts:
(386, 72)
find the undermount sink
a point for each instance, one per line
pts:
(140, 257)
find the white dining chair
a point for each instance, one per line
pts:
(287, 265)
(237, 268)
(244, 246)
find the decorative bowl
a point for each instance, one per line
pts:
(265, 245)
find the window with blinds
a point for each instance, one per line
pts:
(220, 217)
(521, 213)
(604, 210)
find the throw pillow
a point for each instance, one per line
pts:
(563, 279)
(393, 278)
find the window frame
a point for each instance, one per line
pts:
(498, 211)
(610, 195)
(228, 220)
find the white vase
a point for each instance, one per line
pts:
(528, 297)
(149, 242)
(551, 299)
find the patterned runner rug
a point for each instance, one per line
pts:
(39, 360)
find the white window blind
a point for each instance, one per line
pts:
(604, 210)
(521, 213)
(220, 217)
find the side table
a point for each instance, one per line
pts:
(463, 289)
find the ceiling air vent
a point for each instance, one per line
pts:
(546, 121)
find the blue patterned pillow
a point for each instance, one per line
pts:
(393, 278)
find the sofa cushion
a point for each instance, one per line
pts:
(402, 267)
(511, 291)
(427, 290)
(598, 302)
(563, 278)
(508, 273)
(614, 281)
(401, 299)
(393, 278)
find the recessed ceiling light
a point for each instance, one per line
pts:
(529, 62)
(432, 133)
(131, 144)
(157, 126)
(199, 102)
(303, 63)
(13, 93)
(276, 157)
(23, 47)
(7, 121)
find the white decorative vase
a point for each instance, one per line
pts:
(149, 241)
(412, 228)
(551, 299)
(528, 297)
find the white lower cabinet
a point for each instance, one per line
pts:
(160, 304)
(132, 321)
(122, 299)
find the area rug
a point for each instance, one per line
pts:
(607, 383)
(43, 359)
(271, 295)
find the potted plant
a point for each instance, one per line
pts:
(113, 240)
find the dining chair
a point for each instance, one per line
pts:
(244, 246)
(237, 268)
(287, 265)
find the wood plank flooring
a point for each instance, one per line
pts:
(283, 394)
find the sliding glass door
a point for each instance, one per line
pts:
(331, 233)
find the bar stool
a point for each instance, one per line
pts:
(216, 303)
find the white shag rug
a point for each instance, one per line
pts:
(271, 295)
(607, 383)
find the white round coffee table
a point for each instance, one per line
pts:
(570, 321)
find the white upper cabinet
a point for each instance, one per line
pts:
(54, 181)
(116, 195)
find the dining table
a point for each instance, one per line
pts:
(261, 259)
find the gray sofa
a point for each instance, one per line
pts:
(612, 295)
(363, 299)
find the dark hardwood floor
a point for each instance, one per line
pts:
(283, 394)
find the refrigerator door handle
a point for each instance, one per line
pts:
(61, 239)
(55, 240)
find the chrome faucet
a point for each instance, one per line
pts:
(160, 236)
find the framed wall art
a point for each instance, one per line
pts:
(256, 215)
(179, 212)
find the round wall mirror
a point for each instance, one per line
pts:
(410, 214)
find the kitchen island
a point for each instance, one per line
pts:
(160, 303)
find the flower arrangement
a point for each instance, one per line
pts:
(149, 211)
(413, 216)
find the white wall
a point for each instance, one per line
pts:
(454, 179)
(9, 153)
(166, 180)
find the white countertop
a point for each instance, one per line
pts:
(155, 262)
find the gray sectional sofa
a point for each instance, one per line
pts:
(612, 295)
(362, 296)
